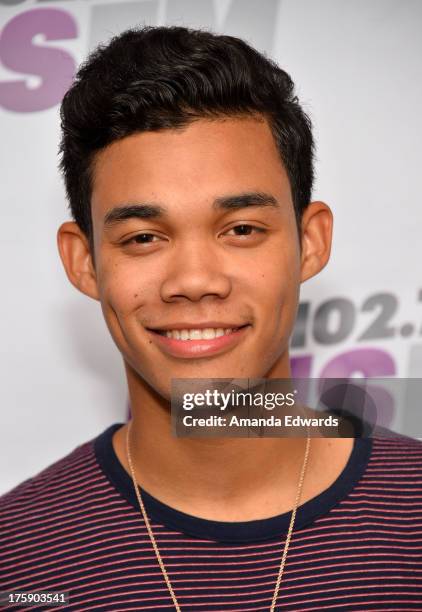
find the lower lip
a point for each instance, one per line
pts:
(188, 349)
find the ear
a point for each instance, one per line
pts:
(77, 259)
(317, 227)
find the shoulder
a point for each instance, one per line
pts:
(58, 515)
(70, 496)
(395, 467)
(385, 441)
(57, 483)
(69, 491)
(396, 448)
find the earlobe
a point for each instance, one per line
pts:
(317, 226)
(77, 259)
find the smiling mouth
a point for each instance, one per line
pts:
(188, 334)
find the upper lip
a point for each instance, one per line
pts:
(202, 325)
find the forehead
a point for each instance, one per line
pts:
(192, 166)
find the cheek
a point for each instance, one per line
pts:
(124, 288)
(276, 280)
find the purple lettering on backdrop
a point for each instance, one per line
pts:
(301, 367)
(369, 363)
(54, 66)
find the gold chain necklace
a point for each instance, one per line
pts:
(154, 543)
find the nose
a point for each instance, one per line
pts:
(195, 272)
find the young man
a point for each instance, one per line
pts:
(188, 167)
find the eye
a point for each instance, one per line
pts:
(245, 229)
(143, 238)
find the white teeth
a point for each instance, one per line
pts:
(195, 334)
(208, 333)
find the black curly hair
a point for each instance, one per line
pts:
(155, 78)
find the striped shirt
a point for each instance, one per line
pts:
(76, 527)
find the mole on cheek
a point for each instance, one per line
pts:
(135, 295)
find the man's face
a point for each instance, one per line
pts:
(197, 252)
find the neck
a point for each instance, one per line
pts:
(224, 479)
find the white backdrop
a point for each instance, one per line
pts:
(357, 67)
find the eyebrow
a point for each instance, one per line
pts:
(133, 211)
(244, 200)
(156, 211)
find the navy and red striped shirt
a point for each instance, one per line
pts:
(76, 527)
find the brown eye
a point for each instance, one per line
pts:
(245, 230)
(143, 238)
